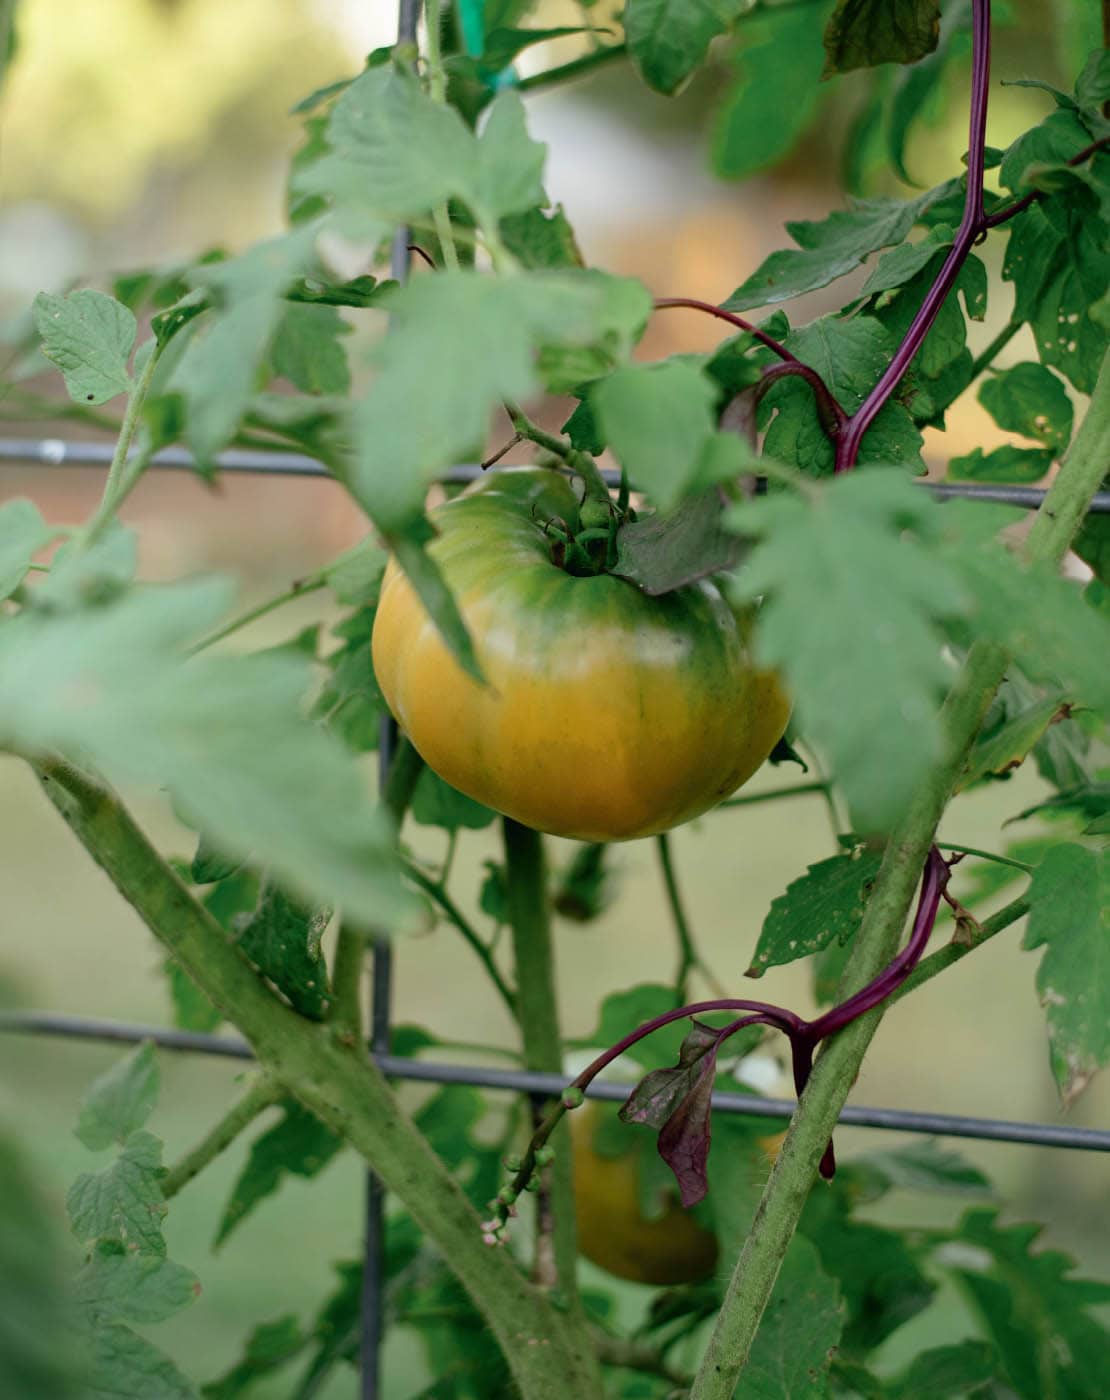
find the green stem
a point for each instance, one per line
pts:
(951, 953)
(437, 90)
(346, 984)
(259, 1096)
(580, 463)
(687, 953)
(436, 890)
(548, 1355)
(984, 855)
(751, 798)
(302, 586)
(884, 919)
(122, 478)
(537, 1014)
(989, 353)
(404, 770)
(576, 68)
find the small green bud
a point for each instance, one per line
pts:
(533, 1183)
(544, 1156)
(507, 1196)
(511, 1164)
(573, 1097)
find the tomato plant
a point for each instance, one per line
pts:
(604, 657)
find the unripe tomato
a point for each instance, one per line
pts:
(607, 714)
(613, 1231)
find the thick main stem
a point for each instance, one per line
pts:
(549, 1356)
(793, 1174)
(538, 1017)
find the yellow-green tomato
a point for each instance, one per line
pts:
(613, 1231)
(607, 714)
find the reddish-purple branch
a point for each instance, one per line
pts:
(1000, 216)
(971, 226)
(692, 304)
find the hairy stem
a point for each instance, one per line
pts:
(687, 954)
(985, 855)
(261, 1093)
(838, 1065)
(547, 1353)
(346, 984)
(579, 462)
(708, 307)
(537, 1013)
(437, 891)
(951, 953)
(312, 584)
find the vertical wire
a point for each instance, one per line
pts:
(381, 983)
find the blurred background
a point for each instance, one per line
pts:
(138, 132)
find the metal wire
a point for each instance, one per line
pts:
(60, 452)
(549, 1085)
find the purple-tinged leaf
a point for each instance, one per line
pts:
(659, 1093)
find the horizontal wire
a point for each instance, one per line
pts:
(532, 1082)
(58, 452)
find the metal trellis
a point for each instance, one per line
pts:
(59, 452)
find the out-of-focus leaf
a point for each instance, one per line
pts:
(798, 1335)
(124, 1364)
(945, 1373)
(269, 1347)
(437, 803)
(119, 1286)
(622, 1012)
(121, 1100)
(1016, 465)
(863, 33)
(23, 532)
(583, 889)
(926, 1166)
(308, 351)
(668, 39)
(1070, 899)
(996, 754)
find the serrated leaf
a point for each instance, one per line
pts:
(23, 532)
(225, 734)
(89, 337)
(540, 238)
(1015, 465)
(1069, 916)
(947, 1372)
(437, 803)
(299, 1145)
(307, 349)
(658, 419)
(124, 1201)
(281, 938)
(926, 1166)
(120, 1101)
(1059, 137)
(510, 163)
(822, 906)
(864, 33)
(864, 668)
(903, 263)
(350, 703)
(797, 1337)
(674, 548)
(125, 1366)
(118, 1286)
(1029, 399)
(355, 576)
(1032, 1309)
(780, 70)
(668, 39)
(996, 754)
(1092, 87)
(829, 248)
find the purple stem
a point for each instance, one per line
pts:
(971, 226)
(1000, 216)
(693, 304)
(833, 418)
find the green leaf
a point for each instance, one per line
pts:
(225, 734)
(425, 575)
(1059, 137)
(671, 549)
(116, 1285)
(124, 1201)
(120, 1100)
(822, 906)
(798, 1335)
(865, 667)
(903, 263)
(123, 1364)
(1030, 400)
(658, 420)
(780, 71)
(584, 887)
(926, 1166)
(943, 1373)
(299, 1145)
(668, 39)
(997, 753)
(89, 337)
(192, 1010)
(1092, 544)
(876, 1269)
(350, 703)
(918, 87)
(510, 164)
(437, 803)
(81, 577)
(219, 364)
(864, 33)
(307, 350)
(537, 238)
(270, 1346)
(828, 249)
(355, 577)
(622, 1012)
(1092, 87)
(1032, 1310)
(281, 938)
(23, 532)
(1070, 917)
(1016, 465)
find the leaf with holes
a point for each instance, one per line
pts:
(281, 938)
(823, 906)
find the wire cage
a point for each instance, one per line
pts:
(540, 1086)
